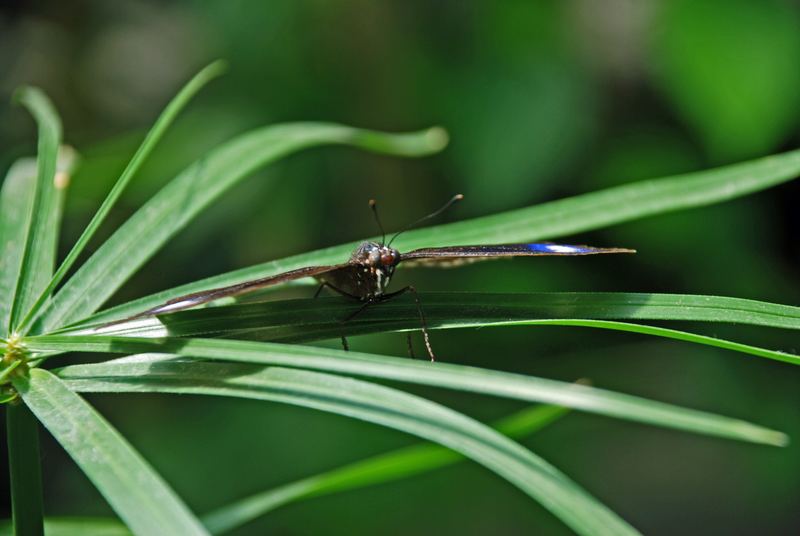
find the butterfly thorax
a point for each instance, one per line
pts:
(367, 273)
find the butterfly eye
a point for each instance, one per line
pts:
(387, 259)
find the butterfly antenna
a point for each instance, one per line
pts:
(457, 197)
(374, 208)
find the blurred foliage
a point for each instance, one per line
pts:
(542, 100)
(730, 70)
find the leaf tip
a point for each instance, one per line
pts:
(21, 94)
(215, 68)
(437, 138)
(779, 439)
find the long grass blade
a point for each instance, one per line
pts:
(171, 209)
(16, 205)
(73, 526)
(545, 221)
(615, 205)
(395, 465)
(315, 319)
(67, 163)
(373, 403)
(16, 210)
(444, 375)
(39, 253)
(137, 493)
(783, 357)
(159, 128)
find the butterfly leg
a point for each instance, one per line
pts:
(319, 289)
(425, 334)
(408, 336)
(352, 316)
(336, 290)
(343, 293)
(358, 311)
(410, 346)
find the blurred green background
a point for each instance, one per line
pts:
(542, 100)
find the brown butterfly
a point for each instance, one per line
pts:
(368, 271)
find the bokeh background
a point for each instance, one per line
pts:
(542, 100)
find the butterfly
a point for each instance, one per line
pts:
(365, 276)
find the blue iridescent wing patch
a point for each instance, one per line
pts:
(545, 248)
(458, 254)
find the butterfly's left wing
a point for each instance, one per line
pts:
(454, 255)
(198, 298)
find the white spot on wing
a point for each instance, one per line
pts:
(555, 248)
(176, 305)
(143, 327)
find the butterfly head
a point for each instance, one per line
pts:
(376, 256)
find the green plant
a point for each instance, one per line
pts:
(183, 352)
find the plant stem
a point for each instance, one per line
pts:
(25, 469)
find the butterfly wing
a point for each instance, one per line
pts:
(454, 255)
(204, 296)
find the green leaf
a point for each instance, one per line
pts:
(680, 336)
(71, 526)
(438, 374)
(25, 469)
(16, 204)
(67, 162)
(171, 209)
(395, 465)
(137, 493)
(314, 319)
(159, 128)
(372, 403)
(729, 68)
(38, 256)
(548, 220)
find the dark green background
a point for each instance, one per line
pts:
(542, 100)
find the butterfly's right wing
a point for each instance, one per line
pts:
(204, 296)
(456, 255)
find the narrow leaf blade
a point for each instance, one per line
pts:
(315, 319)
(380, 405)
(16, 205)
(133, 489)
(71, 526)
(39, 255)
(445, 375)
